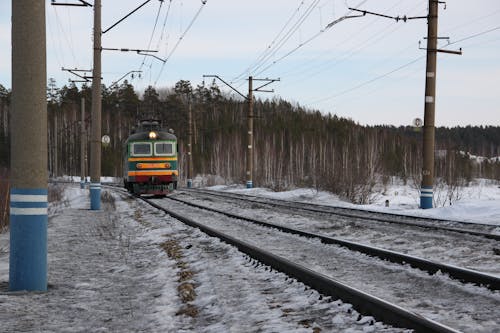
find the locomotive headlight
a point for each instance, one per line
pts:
(153, 135)
(139, 166)
(167, 165)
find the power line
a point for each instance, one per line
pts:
(152, 33)
(328, 65)
(167, 15)
(310, 39)
(288, 35)
(352, 51)
(366, 82)
(61, 29)
(362, 84)
(266, 50)
(475, 35)
(203, 3)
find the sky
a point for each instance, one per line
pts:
(369, 69)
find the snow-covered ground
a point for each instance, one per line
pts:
(127, 269)
(478, 203)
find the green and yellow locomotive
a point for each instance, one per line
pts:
(150, 160)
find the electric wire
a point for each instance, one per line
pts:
(260, 71)
(180, 39)
(61, 30)
(273, 50)
(361, 45)
(314, 70)
(474, 36)
(56, 46)
(362, 84)
(266, 50)
(288, 35)
(152, 34)
(164, 24)
(165, 20)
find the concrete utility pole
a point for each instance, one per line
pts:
(250, 134)
(56, 146)
(95, 141)
(249, 99)
(426, 191)
(190, 146)
(83, 142)
(28, 194)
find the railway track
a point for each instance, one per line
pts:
(462, 274)
(323, 266)
(464, 250)
(481, 230)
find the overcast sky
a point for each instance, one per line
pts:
(369, 69)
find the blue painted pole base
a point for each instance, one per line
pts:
(189, 183)
(95, 196)
(28, 240)
(249, 184)
(426, 197)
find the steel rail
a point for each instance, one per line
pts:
(463, 274)
(364, 303)
(328, 210)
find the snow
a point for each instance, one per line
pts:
(109, 270)
(478, 203)
(128, 268)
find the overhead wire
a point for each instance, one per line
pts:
(152, 34)
(165, 20)
(377, 36)
(266, 50)
(62, 31)
(288, 35)
(56, 46)
(269, 65)
(203, 2)
(362, 84)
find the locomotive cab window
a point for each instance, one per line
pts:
(164, 148)
(141, 149)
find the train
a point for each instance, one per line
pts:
(150, 160)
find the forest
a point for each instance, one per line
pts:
(293, 146)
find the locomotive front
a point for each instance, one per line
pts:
(150, 160)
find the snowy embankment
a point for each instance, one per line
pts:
(477, 203)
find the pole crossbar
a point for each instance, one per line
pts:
(397, 18)
(81, 4)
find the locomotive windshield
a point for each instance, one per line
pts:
(164, 148)
(141, 149)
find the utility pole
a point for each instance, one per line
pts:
(82, 145)
(95, 140)
(426, 190)
(28, 193)
(56, 143)
(250, 134)
(249, 99)
(190, 146)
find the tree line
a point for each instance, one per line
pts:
(293, 146)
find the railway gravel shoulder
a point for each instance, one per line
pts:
(471, 252)
(400, 285)
(483, 230)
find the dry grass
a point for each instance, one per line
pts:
(185, 290)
